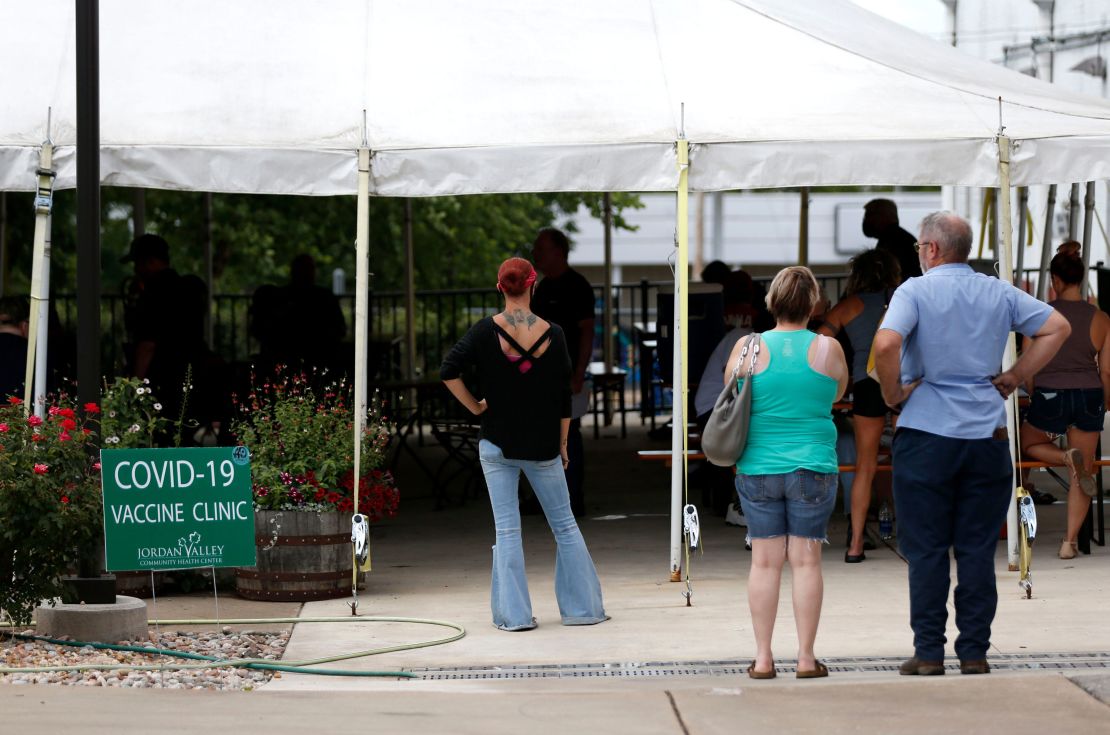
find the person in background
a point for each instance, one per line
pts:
(938, 353)
(564, 297)
(524, 373)
(880, 220)
(14, 323)
(874, 276)
(739, 317)
(787, 474)
(163, 325)
(1070, 393)
(715, 271)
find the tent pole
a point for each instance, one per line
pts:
(1004, 222)
(410, 295)
(1046, 244)
(607, 299)
(88, 201)
(681, 314)
(3, 242)
(1073, 212)
(1088, 224)
(1019, 265)
(803, 226)
(34, 390)
(362, 277)
(208, 277)
(138, 212)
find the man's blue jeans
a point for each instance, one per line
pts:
(576, 584)
(950, 494)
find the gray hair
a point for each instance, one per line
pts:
(951, 233)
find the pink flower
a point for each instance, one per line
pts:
(96, 466)
(3, 428)
(34, 421)
(52, 411)
(41, 469)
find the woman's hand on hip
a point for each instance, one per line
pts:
(564, 455)
(481, 407)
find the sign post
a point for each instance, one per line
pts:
(177, 508)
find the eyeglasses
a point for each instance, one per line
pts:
(917, 246)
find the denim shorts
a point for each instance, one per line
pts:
(1055, 410)
(796, 503)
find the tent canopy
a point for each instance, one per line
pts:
(267, 96)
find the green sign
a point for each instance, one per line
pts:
(177, 508)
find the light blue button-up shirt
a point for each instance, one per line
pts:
(954, 323)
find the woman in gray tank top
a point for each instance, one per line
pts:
(1070, 394)
(875, 274)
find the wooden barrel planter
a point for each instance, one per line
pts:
(300, 557)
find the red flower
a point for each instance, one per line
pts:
(34, 421)
(37, 437)
(13, 401)
(52, 411)
(3, 428)
(69, 424)
(67, 413)
(92, 408)
(64, 437)
(41, 469)
(332, 497)
(65, 500)
(345, 506)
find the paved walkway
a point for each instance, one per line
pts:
(436, 565)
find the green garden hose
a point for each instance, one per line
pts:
(297, 667)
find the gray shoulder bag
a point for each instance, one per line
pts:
(725, 435)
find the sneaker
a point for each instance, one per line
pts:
(734, 516)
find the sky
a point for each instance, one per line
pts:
(924, 16)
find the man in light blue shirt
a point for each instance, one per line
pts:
(939, 355)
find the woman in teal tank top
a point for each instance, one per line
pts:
(787, 475)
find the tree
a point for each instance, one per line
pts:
(460, 240)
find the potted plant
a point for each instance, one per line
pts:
(301, 439)
(49, 502)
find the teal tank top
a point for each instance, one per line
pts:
(791, 424)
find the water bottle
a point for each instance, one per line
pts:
(886, 521)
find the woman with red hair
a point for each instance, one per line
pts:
(523, 371)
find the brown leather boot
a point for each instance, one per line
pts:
(917, 667)
(979, 666)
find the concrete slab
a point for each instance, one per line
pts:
(958, 704)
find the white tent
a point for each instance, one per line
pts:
(267, 96)
(432, 97)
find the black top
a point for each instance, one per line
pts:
(899, 243)
(525, 399)
(13, 364)
(566, 301)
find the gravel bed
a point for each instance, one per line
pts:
(226, 645)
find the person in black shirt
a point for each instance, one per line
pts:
(14, 315)
(564, 297)
(523, 371)
(167, 327)
(880, 220)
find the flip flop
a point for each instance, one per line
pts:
(819, 671)
(1073, 458)
(752, 673)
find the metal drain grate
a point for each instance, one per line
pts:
(737, 667)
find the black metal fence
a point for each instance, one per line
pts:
(441, 318)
